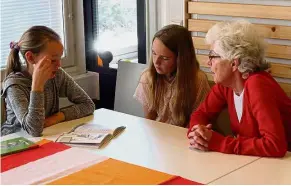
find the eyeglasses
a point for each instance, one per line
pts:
(213, 55)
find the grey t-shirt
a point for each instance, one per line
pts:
(27, 110)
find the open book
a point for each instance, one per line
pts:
(90, 134)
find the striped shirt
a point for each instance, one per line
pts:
(27, 110)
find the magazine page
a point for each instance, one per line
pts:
(90, 128)
(76, 137)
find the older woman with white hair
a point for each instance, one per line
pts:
(259, 110)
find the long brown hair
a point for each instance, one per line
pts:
(178, 39)
(34, 40)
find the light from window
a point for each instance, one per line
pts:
(17, 16)
(115, 26)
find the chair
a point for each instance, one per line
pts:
(128, 75)
(222, 123)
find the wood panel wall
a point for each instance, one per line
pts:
(264, 17)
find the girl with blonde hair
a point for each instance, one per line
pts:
(173, 85)
(32, 91)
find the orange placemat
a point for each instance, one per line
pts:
(112, 172)
(43, 141)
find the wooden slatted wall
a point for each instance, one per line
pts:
(264, 17)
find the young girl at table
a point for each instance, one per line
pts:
(32, 91)
(173, 86)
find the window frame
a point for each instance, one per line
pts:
(123, 53)
(142, 8)
(68, 18)
(76, 36)
(152, 21)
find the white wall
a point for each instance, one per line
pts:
(169, 12)
(159, 14)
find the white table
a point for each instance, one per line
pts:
(156, 146)
(265, 171)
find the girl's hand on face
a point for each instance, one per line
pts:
(43, 71)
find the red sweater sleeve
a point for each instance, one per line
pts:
(261, 97)
(210, 108)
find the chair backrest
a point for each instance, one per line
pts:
(222, 123)
(128, 75)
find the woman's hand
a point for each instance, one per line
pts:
(199, 136)
(42, 71)
(54, 119)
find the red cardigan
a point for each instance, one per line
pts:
(265, 126)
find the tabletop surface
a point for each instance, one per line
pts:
(154, 145)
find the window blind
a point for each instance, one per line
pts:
(17, 16)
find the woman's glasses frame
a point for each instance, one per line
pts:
(213, 55)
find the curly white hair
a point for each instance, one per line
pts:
(239, 40)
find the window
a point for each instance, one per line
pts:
(18, 16)
(115, 26)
